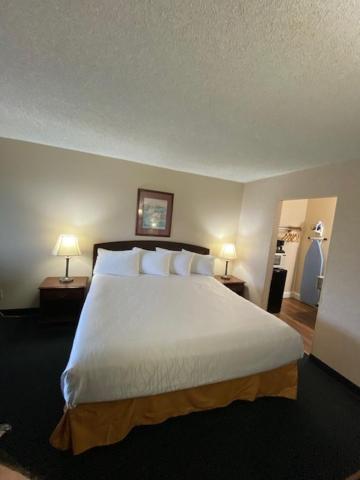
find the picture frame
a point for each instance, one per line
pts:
(154, 213)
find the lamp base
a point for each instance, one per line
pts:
(226, 276)
(66, 280)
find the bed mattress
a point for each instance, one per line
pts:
(145, 335)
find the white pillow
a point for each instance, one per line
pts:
(154, 263)
(180, 262)
(202, 264)
(105, 251)
(124, 263)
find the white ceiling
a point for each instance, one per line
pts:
(233, 89)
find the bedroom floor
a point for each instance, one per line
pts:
(301, 317)
(316, 437)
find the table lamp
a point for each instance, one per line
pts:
(228, 253)
(66, 246)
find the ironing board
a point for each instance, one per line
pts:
(313, 267)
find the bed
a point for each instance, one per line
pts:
(148, 348)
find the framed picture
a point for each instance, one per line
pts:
(154, 213)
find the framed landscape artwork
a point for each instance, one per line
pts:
(154, 213)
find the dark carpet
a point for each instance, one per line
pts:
(315, 437)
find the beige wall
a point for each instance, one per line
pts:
(317, 209)
(45, 191)
(337, 334)
(293, 213)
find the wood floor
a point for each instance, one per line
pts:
(300, 316)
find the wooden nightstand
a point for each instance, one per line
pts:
(62, 302)
(234, 283)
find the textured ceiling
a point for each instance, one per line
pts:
(232, 89)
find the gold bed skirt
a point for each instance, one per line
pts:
(90, 425)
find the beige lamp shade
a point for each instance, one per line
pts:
(228, 251)
(67, 246)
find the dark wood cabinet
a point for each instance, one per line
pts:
(62, 302)
(233, 283)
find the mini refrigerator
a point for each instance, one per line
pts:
(276, 290)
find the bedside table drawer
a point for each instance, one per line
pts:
(237, 288)
(62, 302)
(62, 294)
(232, 283)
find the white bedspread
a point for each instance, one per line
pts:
(145, 335)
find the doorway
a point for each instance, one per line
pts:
(303, 239)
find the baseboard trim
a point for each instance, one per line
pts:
(291, 295)
(348, 383)
(20, 311)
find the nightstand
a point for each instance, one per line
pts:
(234, 283)
(62, 302)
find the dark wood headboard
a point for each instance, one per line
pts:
(148, 245)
